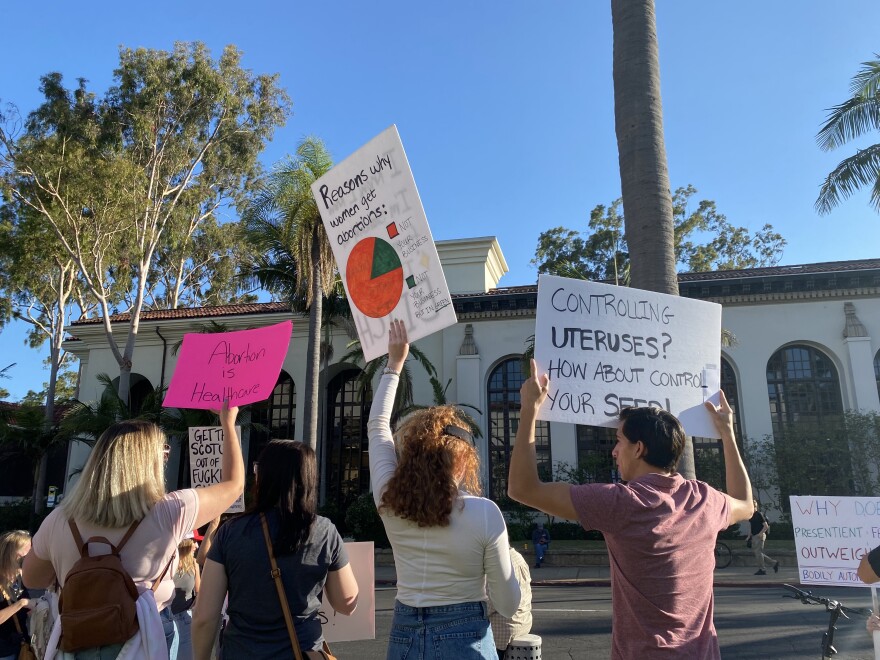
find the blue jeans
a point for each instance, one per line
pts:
(540, 551)
(184, 635)
(439, 633)
(171, 637)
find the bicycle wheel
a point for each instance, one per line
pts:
(723, 555)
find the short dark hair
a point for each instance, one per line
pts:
(659, 430)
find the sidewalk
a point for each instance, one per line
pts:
(599, 576)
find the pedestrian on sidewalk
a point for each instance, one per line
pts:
(759, 528)
(541, 541)
(660, 529)
(449, 543)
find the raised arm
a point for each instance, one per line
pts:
(215, 499)
(383, 456)
(523, 483)
(739, 488)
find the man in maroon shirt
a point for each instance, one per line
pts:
(660, 528)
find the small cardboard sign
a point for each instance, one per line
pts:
(240, 366)
(383, 245)
(831, 535)
(205, 457)
(606, 347)
(362, 622)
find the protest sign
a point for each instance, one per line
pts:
(831, 535)
(205, 454)
(382, 244)
(240, 366)
(362, 622)
(607, 347)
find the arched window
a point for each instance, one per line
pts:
(275, 417)
(348, 458)
(803, 388)
(594, 447)
(504, 406)
(877, 370)
(811, 450)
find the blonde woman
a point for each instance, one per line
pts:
(187, 582)
(13, 599)
(449, 544)
(122, 486)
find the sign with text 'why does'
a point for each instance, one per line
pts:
(607, 347)
(382, 244)
(831, 535)
(205, 454)
(241, 367)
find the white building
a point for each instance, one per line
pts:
(808, 346)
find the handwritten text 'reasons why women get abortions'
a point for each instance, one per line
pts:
(607, 347)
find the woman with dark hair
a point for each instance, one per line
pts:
(449, 544)
(307, 548)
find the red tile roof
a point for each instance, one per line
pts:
(281, 307)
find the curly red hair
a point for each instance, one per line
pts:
(432, 466)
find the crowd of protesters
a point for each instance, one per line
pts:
(252, 586)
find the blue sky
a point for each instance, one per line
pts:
(506, 109)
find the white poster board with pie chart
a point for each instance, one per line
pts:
(382, 244)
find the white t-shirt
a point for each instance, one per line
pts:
(441, 565)
(145, 555)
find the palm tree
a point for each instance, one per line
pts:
(403, 399)
(854, 117)
(644, 175)
(295, 259)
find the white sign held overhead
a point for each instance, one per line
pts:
(205, 456)
(607, 347)
(382, 244)
(831, 535)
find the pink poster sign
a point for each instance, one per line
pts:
(241, 366)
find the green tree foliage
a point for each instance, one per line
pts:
(120, 178)
(292, 255)
(704, 241)
(855, 117)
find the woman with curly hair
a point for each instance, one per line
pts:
(449, 543)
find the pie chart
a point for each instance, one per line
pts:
(375, 277)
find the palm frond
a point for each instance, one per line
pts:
(852, 173)
(849, 120)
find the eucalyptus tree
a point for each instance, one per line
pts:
(293, 257)
(175, 138)
(853, 118)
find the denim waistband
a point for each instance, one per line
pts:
(471, 606)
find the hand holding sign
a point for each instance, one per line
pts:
(534, 389)
(722, 416)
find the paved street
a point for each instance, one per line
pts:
(574, 621)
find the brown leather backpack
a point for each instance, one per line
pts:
(97, 603)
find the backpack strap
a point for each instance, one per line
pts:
(156, 583)
(83, 546)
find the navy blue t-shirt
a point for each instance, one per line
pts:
(256, 626)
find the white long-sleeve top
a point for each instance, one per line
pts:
(441, 565)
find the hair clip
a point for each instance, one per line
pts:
(458, 432)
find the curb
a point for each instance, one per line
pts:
(603, 582)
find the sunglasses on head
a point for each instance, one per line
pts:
(458, 432)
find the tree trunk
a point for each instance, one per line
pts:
(644, 176)
(313, 360)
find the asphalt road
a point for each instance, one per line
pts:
(575, 622)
